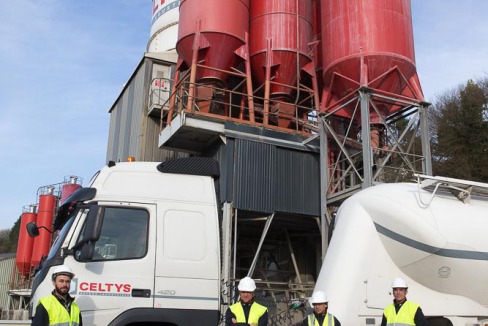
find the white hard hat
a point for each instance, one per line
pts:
(247, 284)
(399, 283)
(62, 270)
(319, 297)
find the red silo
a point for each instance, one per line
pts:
(25, 243)
(280, 33)
(68, 188)
(368, 43)
(317, 39)
(215, 30)
(45, 214)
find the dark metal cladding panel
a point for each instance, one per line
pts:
(270, 179)
(224, 154)
(229, 169)
(205, 166)
(297, 182)
(253, 176)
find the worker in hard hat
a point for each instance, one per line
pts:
(320, 315)
(401, 311)
(58, 308)
(246, 312)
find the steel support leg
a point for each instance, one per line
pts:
(424, 134)
(366, 140)
(226, 246)
(324, 181)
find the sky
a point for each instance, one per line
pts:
(64, 62)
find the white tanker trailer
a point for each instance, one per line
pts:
(433, 233)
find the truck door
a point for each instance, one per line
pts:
(187, 268)
(121, 275)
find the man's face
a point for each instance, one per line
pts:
(400, 294)
(61, 284)
(246, 297)
(320, 308)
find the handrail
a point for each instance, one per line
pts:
(463, 188)
(306, 123)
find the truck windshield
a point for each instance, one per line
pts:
(60, 238)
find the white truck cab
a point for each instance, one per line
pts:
(143, 243)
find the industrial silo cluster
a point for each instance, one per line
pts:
(276, 63)
(33, 250)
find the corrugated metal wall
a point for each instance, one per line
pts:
(132, 131)
(149, 143)
(297, 182)
(7, 265)
(270, 178)
(126, 115)
(113, 132)
(254, 165)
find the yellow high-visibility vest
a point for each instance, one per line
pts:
(58, 315)
(255, 313)
(328, 320)
(405, 316)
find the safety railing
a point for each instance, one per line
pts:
(233, 103)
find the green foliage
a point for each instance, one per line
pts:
(459, 127)
(3, 241)
(10, 238)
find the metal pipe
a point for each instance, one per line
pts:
(250, 98)
(263, 236)
(293, 259)
(235, 244)
(193, 74)
(267, 82)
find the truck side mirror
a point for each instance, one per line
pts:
(85, 248)
(93, 225)
(86, 252)
(32, 229)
